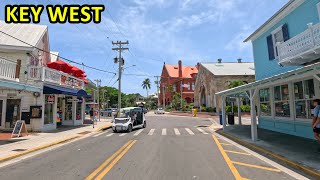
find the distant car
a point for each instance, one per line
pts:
(159, 111)
(107, 112)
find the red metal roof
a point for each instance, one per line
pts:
(173, 71)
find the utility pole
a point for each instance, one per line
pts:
(181, 88)
(158, 92)
(163, 97)
(120, 48)
(98, 85)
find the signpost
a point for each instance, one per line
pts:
(19, 128)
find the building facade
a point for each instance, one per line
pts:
(216, 77)
(286, 52)
(44, 98)
(177, 79)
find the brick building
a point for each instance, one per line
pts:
(172, 77)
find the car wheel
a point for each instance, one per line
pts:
(144, 124)
(115, 131)
(130, 128)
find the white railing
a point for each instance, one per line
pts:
(46, 74)
(7, 69)
(300, 43)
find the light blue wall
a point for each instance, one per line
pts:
(297, 22)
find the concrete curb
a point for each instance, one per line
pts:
(292, 164)
(6, 158)
(104, 127)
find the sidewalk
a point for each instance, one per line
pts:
(33, 141)
(294, 151)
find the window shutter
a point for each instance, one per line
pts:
(270, 48)
(285, 32)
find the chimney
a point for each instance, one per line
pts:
(219, 60)
(239, 60)
(198, 65)
(180, 68)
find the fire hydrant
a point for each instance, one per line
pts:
(194, 112)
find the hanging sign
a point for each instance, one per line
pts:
(50, 100)
(19, 127)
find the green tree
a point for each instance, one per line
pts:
(176, 101)
(236, 83)
(146, 84)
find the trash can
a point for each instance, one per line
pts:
(231, 118)
(220, 118)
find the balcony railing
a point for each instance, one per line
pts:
(8, 70)
(46, 74)
(302, 48)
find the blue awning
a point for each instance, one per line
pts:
(19, 86)
(52, 89)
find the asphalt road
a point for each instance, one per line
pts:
(170, 148)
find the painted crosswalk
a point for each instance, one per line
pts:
(161, 131)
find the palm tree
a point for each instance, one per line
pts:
(146, 84)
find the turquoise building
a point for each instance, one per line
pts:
(286, 51)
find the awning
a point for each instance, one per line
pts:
(52, 89)
(19, 86)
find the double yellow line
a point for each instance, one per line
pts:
(103, 169)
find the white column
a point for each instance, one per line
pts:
(74, 109)
(239, 110)
(223, 108)
(254, 131)
(83, 108)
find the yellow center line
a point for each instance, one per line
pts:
(108, 168)
(226, 144)
(236, 152)
(227, 159)
(95, 172)
(255, 166)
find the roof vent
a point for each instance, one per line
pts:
(219, 60)
(239, 60)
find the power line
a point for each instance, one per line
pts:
(66, 59)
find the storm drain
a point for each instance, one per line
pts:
(84, 132)
(19, 150)
(202, 126)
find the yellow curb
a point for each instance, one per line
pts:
(295, 165)
(104, 127)
(6, 158)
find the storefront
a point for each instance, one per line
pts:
(284, 101)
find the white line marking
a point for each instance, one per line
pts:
(176, 131)
(138, 132)
(164, 131)
(123, 134)
(110, 134)
(201, 130)
(151, 132)
(99, 134)
(189, 131)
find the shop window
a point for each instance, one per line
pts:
(281, 101)
(78, 113)
(48, 109)
(68, 111)
(303, 94)
(265, 107)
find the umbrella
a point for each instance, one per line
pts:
(76, 71)
(60, 65)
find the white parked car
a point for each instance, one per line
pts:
(159, 111)
(129, 119)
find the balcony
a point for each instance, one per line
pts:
(45, 74)
(302, 48)
(9, 70)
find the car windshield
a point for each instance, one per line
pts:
(124, 113)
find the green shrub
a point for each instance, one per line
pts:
(245, 108)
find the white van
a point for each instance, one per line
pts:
(125, 119)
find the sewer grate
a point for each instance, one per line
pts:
(84, 132)
(19, 150)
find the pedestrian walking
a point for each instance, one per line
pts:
(316, 120)
(91, 112)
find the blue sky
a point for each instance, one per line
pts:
(158, 31)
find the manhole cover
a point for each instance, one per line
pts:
(85, 132)
(19, 150)
(202, 126)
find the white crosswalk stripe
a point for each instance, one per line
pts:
(164, 131)
(138, 132)
(189, 131)
(110, 134)
(201, 130)
(99, 134)
(151, 132)
(123, 134)
(176, 131)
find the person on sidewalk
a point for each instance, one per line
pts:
(316, 119)
(91, 113)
